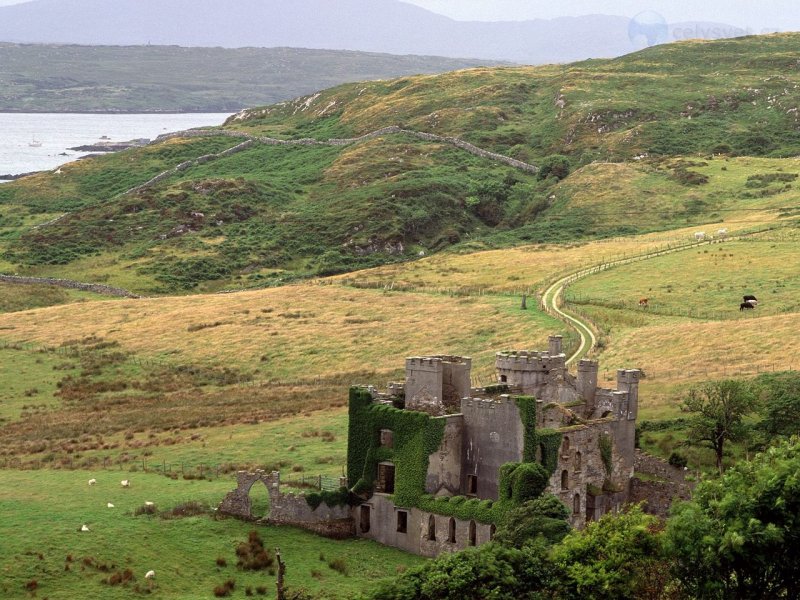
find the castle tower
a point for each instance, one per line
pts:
(586, 383)
(436, 384)
(628, 381)
(530, 371)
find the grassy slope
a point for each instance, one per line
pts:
(181, 551)
(53, 78)
(288, 212)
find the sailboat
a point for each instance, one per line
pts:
(34, 143)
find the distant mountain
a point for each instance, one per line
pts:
(71, 78)
(387, 26)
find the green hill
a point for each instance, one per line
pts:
(639, 133)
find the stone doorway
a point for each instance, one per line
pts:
(259, 500)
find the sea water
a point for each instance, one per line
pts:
(58, 132)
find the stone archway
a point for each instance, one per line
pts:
(239, 503)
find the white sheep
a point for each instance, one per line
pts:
(109, 505)
(149, 504)
(150, 575)
(92, 481)
(84, 528)
(125, 483)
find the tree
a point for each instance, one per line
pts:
(555, 165)
(780, 395)
(545, 517)
(612, 558)
(738, 537)
(719, 408)
(491, 571)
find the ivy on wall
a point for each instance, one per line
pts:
(544, 441)
(417, 435)
(606, 452)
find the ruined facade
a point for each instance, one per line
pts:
(538, 413)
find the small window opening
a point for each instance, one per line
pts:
(402, 521)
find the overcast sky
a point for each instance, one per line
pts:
(753, 15)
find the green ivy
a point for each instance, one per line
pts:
(340, 497)
(417, 435)
(546, 440)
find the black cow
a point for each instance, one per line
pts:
(749, 298)
(746, 306)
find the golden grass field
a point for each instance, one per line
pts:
(295, 331)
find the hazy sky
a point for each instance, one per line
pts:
(753, 15)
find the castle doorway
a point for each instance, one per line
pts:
(259, 500)
(385, 483)
(364, 520)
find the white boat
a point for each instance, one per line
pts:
(34, 143)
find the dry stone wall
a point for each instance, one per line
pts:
(70, 284)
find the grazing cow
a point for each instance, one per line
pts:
(700, 236)
(751, 299)
(644, 303)
(722, 233)
(746, 306)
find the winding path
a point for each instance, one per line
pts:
(551, 298)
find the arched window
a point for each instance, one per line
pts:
(473, 533)
(432, 528)
(576, 505)
(565, 446)
(451, 531)
(577, 461)
(564, 479)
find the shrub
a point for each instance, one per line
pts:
(555, 165)
(221, 562)
(252, 555)
(225, 590)
(678, 460)
(339, 564)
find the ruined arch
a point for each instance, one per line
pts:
(432, 528)
(564, 479)
(451, 531)
(576, 505)
(578, 459)
(473, 533)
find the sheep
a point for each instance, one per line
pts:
(84, 528)
(109, 505)
(150, 575)
(125, 483)
(92, 481)
(700, 236)
(149, 504)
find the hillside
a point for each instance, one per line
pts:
(639, 143)
(70, 78)
(388, 26)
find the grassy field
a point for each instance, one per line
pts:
(51, 506)
(708, 282)
(295, 332)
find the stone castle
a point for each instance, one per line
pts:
(433, 461)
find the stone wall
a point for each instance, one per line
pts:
(658, 495)
(493, 436)
(97, 288)
(287, 509)
(383, 526)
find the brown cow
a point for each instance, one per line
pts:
(644, 303)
